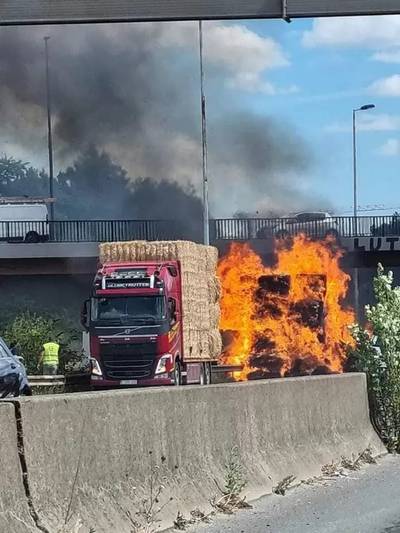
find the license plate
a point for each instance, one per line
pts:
(128, 382)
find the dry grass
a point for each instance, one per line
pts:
(196, 516)
(229, 503)
(284, 485)
(344, 466)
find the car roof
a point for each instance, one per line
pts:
(292, 215)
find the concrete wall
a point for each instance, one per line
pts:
(92, 456)
(14, 512)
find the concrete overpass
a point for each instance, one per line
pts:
(86, 11)
(56, 274)
(71, 247)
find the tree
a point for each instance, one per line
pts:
(29, 331)
(19, 179)
(377, 353)
(94, 187)
(166, 200)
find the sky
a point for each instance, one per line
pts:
(279, 106)
(332, 67)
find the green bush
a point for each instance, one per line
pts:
(377, 353)
(27, 332)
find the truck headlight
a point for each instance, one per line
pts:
(96, 370)
(164, 364)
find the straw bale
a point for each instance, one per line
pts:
(214, 289)
(215, 315)
(211, 254)
(215, 344)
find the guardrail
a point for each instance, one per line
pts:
(46, 381)
(220, 229)
(91, 230)
(262, 228)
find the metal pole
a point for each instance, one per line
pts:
(356, 279)
(49, 129)
(206, 221)
(354, 167)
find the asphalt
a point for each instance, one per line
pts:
(364, 501)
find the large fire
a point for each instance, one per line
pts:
(289, 319)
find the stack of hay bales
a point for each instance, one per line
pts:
(200, 288)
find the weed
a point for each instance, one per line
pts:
(332, 470)
(367, 457)
(147, 516)
(283, 485)
(364, 457)
(181, 523)
(235, 482)
(350, 464)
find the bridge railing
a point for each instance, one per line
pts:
(220, 229)
(90, 230)
(262, 228)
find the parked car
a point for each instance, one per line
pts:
(13, 377)
(312, 224)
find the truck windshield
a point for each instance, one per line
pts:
(140, 309)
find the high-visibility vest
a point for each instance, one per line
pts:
(51, 351)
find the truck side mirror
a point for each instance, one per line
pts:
(85, 314)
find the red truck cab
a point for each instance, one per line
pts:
(133, 327)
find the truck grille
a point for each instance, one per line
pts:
(128, 361)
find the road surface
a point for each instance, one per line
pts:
(366, 501)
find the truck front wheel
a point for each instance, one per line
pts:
(177, 374)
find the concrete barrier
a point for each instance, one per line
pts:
(98, 457)
(14, 511)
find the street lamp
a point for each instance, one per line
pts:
(49, 129)
(355, 111)
(206, 216)
(355, 200)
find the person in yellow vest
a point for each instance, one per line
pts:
(49, 358)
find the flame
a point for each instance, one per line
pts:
(289, 319)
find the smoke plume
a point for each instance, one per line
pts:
(133, 90)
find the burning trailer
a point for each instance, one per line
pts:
(272, 299)
(292, 319)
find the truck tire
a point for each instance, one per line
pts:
(177, 374)
(205, 374)
(208, 374)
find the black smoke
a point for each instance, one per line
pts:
(124, 89)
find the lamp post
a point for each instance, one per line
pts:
(206, 221)
(355, 200)
(49, 129)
